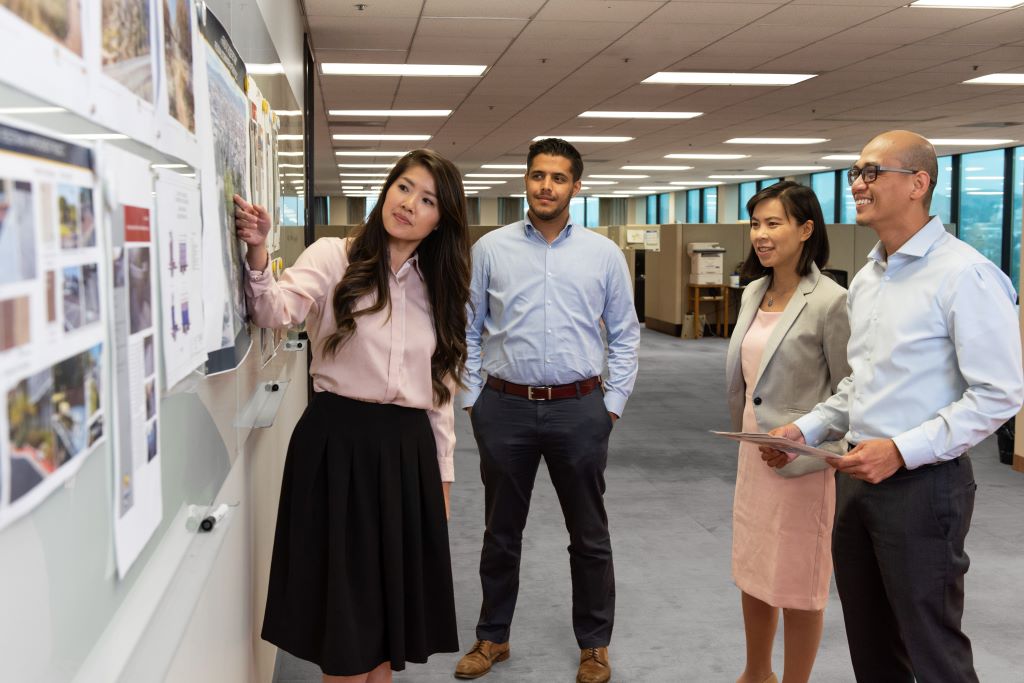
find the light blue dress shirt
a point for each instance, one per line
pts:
(535, 312)
(935, 351)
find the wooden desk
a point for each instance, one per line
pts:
(719, 294)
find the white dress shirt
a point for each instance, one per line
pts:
(934, 348)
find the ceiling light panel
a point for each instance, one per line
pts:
(998, 79)
(347, 136)
(586, 138)
(711, 78)
(354, 69)
(369, 153)
(776, 141)
(390, 112)
(640, 114)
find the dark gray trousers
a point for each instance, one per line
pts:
(898, 550)
(512, 434)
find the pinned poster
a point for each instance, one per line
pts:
(128, 199)
(53, 410)
(127, 45)
(179, 243)
(223, 131)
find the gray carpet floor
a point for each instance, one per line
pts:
(669, 499)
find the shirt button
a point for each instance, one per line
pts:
(549, 331)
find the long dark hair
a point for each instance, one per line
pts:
(800, 203)
(443, 261)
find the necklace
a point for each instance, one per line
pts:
(769, 300)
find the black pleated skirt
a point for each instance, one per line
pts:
(361, 570)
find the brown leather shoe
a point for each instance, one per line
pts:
(481, 658)
(594, 666)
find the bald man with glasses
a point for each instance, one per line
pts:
(936, 367)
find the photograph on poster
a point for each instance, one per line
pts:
(14, 322)
(150, 398)
(60, 20)
(151, 441)
(140, 300)
(148, 356)
(90, 293)
(126, 47)
(228, 108)
(87, 222)
(70, 419)
(93, 380)
(178, 58)
(17, 232)
(51, 296)
(74, 314)
(68, 198)
(30, 415)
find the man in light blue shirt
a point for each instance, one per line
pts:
(542, 291)
(936, 367)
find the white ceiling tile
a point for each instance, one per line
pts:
(598, 10)
(362, 33)
(391, 8)
(520, 9)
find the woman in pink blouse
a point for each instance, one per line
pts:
(360, 579)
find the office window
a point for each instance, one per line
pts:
(664, 202)
(592, 212)
(761, 184)
(747, 190)
(652, 209)
(824, 186)
(293, 210)
(710, 198)
(370, 203)
(693, 206)
(981, 203)
(847, 210)
(942, 195)
(577, 209)
(1017, 215)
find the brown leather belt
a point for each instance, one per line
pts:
(549, 393)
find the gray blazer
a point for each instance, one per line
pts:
(804, 359)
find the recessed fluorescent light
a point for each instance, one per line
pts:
(518, 196)
(371, 153)
(618, 176)
(706, 156)
(657, 168)
(640, 114)
(365, 165)
(998, 79)
(689, 183)
(588, 181)
(289, 154)
(984, 193)
(363, 175)
(967, 142)
(710, 78)
(169, 165)
(390, 112)
(31, 110)
(96, 136)
(966, 4)
(841, 157)
(289, 136)
(290, 166)
(494, 175)
(292, 175)
(737, 176)
(288, 112)
(521, 167)
(339, 136)
(352, 69)
(792, 168)
(351, 187)
(471, 191)
(477, 187)
(298, 182)
(265, 69)
(775, 141)
(586, 138)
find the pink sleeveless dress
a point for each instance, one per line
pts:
(782, 528)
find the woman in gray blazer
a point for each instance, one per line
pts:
(787, 353)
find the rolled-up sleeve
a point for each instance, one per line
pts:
(303, 286)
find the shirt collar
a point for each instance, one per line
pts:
(413, 263)
(565, 233)
(917, 246)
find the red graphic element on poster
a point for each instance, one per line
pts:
(136, 224)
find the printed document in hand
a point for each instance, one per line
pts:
(778, 443)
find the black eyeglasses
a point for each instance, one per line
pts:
(870, 172)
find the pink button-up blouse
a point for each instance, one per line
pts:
(387, 360)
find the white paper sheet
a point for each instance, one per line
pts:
(138, 507)
(53, 403)
(778, 443)
(179, 244)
